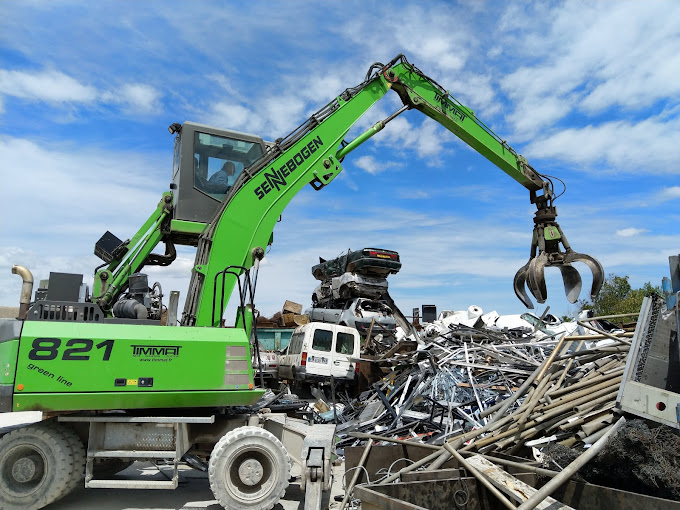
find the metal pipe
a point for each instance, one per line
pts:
(518, 465)
(479, 476)
(599, 350)
(595, 435)
(575, 421)
(522, 389)
(529, 407)
(577, 386)
(609, 396)
(414, 466)
(348, 489)
(374, 437)
(523, 434)
(550, 359)
(584, 399)
(592, 426)
(489, 427)
(26, 290)
(570, 470)
(581, 323)
(602, 336)
(565, 370)
(594, 390)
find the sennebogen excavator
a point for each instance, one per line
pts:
(120, 376)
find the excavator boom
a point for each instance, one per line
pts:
(312, 154)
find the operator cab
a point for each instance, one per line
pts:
(206, 163)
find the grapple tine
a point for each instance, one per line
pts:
(545, 252)
(572, 282)
(518, 283)
(594, 266)
(536, 277)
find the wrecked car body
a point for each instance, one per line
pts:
(359, 313)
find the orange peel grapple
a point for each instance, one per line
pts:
(546, 251)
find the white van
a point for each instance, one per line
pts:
(318, 350)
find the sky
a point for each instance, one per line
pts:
(587, 91)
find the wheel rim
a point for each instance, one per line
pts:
(23, 470)
(251, 474)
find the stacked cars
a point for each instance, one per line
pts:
(352, 290)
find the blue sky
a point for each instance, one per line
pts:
(587, 91)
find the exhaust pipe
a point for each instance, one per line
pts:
(26, 290)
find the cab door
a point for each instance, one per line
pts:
(320, 353)
(346, 345)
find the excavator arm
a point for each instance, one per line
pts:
(312, 154)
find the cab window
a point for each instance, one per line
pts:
(218, 161)
(345, 343)
(323, 340)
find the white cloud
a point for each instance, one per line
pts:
(630, 232)
(372, 166)
(233, 116)
(671, 193)
(592, 56)
(413, 194)
(623, 146)
(135, 97)
(57, 88)
(73, 185)
(49, 86)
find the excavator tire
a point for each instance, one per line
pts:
(249, 469)
(78, 454)
(36, 466)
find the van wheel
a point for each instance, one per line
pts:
(249, 469)
(36, 466)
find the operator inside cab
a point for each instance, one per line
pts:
(218, 182)
(225, 176)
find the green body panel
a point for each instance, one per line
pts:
(551, 233)
(187, 227)
(79, 366)
(133, 400)
(72, 365)
(8, 360)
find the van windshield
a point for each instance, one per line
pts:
(345, 343)
(322, 340)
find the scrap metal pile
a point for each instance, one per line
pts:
(503, 387)
(477, 389)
